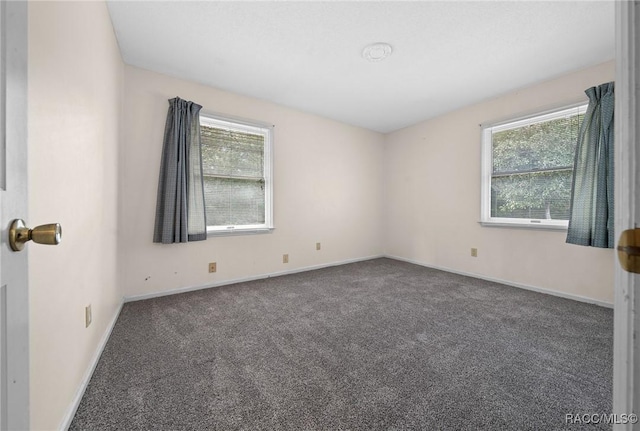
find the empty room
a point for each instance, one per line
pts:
(318, 215)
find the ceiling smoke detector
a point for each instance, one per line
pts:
(377, 51)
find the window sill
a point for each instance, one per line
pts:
(235, 232)
(524, 225)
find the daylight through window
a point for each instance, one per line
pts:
(528, 168)
(236, 162)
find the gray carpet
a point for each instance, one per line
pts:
(380, 344)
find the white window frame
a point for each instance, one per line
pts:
(487, 167)
(247, 126)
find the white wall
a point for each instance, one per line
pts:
(75, 94)
(432, 199)
(327, 188)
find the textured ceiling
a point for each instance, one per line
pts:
(307, 55)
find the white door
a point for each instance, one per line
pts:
(14, 316)
(626, 367)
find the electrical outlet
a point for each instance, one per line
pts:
(317, 246)
(474, 252)
(285, 258)
(213, 267)
(87, 316)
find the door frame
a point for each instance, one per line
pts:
(626, 357)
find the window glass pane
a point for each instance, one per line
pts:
(232, 153)
(550, 144)
(539, 195)
(230, 201)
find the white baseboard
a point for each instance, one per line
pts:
(71, 412)
(509, 283)
(344, 262)
(243, 279)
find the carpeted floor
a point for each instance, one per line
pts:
(380, 344)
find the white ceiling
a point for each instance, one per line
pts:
(307, 55)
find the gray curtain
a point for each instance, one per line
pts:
(180, 211)
(591, 218)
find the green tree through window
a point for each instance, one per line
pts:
(532, 167)
(236, 175)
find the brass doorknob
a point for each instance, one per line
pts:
(19, 234)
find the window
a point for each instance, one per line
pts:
(236, 163)
(527, 168)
